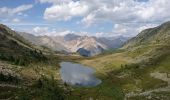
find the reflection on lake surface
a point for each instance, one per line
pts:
(78, 75)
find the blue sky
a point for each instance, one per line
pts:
(83, 17)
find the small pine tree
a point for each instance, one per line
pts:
(11, 58)
(16, 62)
(2, 77)
(35, 51)
(126, 66)
(39, 83)
(20, 62)
(10, 78)
(122, 66)
(2, 56)
(41, 52)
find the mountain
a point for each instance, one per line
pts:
(88, 43)
(157, 35)
(151, 44)
(94, 45)
(44, 41)
(72, 43)
(16, 49)
(113, 42)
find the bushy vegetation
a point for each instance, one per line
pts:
(15, 49)
(42, 89)
(22, 60)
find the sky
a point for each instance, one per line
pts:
(84, 17)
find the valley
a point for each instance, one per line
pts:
(138, 70)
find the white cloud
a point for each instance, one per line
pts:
(14, 15)
(126, 16)
(145, 27)
(127, 29)
(119, 29)
(116, 11)
(100, 34)
(40, 31)
(62, 33)
(17, 10)
(16, 20)
(66, 11)
(54, 1)
(126, 11)
(109, 34)
(21, 8)
(146, 13)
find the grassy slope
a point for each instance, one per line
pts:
(25, 73)
(29, 87)
(16, 49)
(39, 81)
(118, 80)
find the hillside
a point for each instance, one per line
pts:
(151, 44)
(43, 41)
(139, 66)
(16, 49)
(157, 35)
(25, 72)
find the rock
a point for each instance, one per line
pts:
(91, 98)
(6, 71)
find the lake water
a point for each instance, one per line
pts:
(78, 75)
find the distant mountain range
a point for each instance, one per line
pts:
(71, 43)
